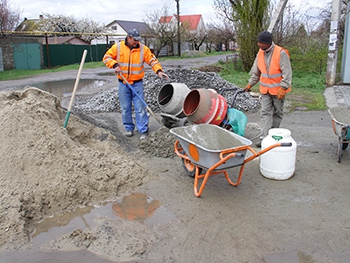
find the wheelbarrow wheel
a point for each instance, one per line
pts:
(190, 168)
(344, 145)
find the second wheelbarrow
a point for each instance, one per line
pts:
(212, 149)
(341, 127)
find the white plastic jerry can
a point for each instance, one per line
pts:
(279, 162)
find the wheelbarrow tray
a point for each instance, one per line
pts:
(340, 124)
(203, 144)
(341, 119)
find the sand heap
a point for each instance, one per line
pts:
(46, 168)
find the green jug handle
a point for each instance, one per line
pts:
(277, 137)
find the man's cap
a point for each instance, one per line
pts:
(135, 34)
(265, 37)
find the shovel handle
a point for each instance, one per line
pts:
(144, 103)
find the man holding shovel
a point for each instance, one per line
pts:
(127, 58)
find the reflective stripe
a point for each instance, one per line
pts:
(107, 58)
(131, 61)
(272, 76)
(129, 65)
(142, 53)
(270, 85)
(137, 71)
(124, 72)
(153, 62)
(118, 55)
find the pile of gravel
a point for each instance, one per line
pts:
(108, 101)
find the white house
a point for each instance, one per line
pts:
(117, 31)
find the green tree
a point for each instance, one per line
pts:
(249, 17)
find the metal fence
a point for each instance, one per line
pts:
(65, 54)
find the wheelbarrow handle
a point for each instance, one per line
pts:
(238, 91)
(228, 155)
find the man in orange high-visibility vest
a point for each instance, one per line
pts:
(127, 58)
(273, 70)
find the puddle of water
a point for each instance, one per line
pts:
(64, 88)
(137, 207)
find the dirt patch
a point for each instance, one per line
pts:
(210, 68)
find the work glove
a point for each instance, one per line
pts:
(281, 93)
(247, 88)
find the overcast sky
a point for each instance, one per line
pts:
(106, 11)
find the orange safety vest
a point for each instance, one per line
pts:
(270, 81)
(131, 61)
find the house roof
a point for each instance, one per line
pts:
(65, 40)
(165, 19)
(129, 25)
(29, 25)
(192, 21)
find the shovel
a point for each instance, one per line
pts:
(144, 103)
(75, 89)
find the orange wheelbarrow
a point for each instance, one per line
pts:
(208, 150)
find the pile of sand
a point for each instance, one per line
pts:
(46, 168)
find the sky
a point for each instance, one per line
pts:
(107, 11)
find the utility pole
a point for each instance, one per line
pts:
(178, 28)
(277, 15)
(346, 50)
(332, 45)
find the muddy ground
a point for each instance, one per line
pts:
(88, 194)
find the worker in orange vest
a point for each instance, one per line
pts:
(272, 68)
(127, 58)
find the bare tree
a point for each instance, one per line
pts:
(219, 35)
(195, 37)
(249, 19)
(9, 18)
(163, 31)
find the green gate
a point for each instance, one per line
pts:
(26, 55)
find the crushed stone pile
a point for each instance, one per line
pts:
(108, 101)
(46, 168)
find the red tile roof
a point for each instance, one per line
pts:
(165, 19)
(192, 21)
